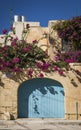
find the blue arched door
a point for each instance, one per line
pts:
(41, 98)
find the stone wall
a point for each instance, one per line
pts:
(36, 33)
(9, 95)
(8, 98)
(54, 40)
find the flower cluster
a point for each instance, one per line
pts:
(69, 57)
(19, 55)
(63, 60)
(70, 30)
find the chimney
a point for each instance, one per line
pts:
(18, 18)
(23, 18)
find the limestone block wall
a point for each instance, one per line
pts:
(8, 98)
(36, 33)
(54, 40)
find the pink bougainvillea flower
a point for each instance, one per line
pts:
(78, 72)
(27, 26)
(7, 63)
(69, 61)
(16, 60)
(5, 47)
(17, 69)
(30, 73)
(23, 41)
(12, 28)
(5, 31)
(15, 39)
(45, 66)
(2, 67)
(55, 68)
(35, 41)
(60, 72)
(3, 64)
(41, 75)
(46, 51)
(56, 58)
(13, 43)
(39, 64)
(26, 49)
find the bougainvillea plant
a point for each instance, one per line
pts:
(70, 30)
(20, 57)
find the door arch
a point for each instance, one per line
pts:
(41, 98)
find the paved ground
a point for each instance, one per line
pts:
(40, 124)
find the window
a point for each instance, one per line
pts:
(66, 45)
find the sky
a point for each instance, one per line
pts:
(38, 10)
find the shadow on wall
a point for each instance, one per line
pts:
(1, 83)
(37, 89)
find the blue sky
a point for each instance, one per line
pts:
(38, 10)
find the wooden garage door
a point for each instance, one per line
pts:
(41, 98)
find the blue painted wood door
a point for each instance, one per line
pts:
(45, 99)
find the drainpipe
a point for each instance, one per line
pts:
(77, 110)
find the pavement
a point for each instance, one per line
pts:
(40, 124)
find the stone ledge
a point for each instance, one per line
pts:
(75, 64)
